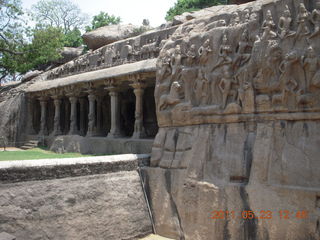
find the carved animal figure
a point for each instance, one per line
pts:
(173, 98)
(305, 99)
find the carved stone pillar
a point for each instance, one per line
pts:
(43, 119)
(99, 115)
(91, 115)
(57, 113)
(115, 113)
(138, 124)
(82, 102)
(73, 115)
(30, 128)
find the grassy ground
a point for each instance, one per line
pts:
(36, 153)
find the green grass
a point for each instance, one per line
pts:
(35, 153)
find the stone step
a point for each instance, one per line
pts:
(30, 144)
(26, 147)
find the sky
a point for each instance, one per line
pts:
(130, 11)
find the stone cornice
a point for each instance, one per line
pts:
(145, 69)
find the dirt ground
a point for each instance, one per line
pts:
(155, 237)
(11, 149)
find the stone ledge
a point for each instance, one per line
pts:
(145, 66)
(31, 170)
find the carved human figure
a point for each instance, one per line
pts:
(176, 61)
(246, 15)
(246, 97)
(235, 19)
(253, 16)
(225, 48)
(173, 98)
(163, 42)
(165, 67)
(191, 55)
(201, 88)
(287, 79)
(315, 19)
(310, 65)
(268, 25)
(242, 55)
(127, 52)
(225, 62)
(285, 24)
(224, 51)
(302, 20)
(268, 21)
(225, 84)
(204, 52)
(109, 56)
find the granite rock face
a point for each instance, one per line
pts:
(237, 152)
(69, 53)
(107, 206)
(108, 34)
(265, 168)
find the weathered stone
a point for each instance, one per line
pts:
(107, 206)
(246, 109)
(28, 76)
(108, 34)
(70, 53)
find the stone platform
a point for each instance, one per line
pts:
(98, 145)
(81, 198)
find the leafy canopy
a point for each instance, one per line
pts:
(58, 24)
(23, 48)
(102, 19)
(182, 6)
(11, 36)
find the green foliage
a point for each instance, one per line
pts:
(44, 47)
(11, 36)
(182, 6)
(102, 19)
(73, 38)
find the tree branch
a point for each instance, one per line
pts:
(10, 51)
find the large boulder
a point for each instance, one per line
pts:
(70, 53)
(108, 34)
(30, 75)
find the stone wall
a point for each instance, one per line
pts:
(87, 198)
(99, 145)
(268, 166)
(238, 102)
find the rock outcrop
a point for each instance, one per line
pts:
(108, 34)
(86, 198)
(238, 98)
(69, 53)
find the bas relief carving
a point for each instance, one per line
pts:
(129, 51)
(250, 68)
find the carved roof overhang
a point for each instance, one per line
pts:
(146, 70)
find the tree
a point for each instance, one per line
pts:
(182, 6)
(73, 38)
(59, 13)
(11, 36)
(44, 48)
(102, 19)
